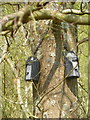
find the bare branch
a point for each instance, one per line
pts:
(82, 86)
(74, 11)
(41, 40)
(7, 23)
(82, 41)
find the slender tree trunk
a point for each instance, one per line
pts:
(89, 65)
(0, 94)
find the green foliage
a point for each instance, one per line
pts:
(83, 61)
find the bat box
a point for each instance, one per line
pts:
(71, 65)
(32, 69)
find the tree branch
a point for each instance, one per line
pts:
(15, 20)
(74, 11)
(82, 41)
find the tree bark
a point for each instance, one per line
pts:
(57, 99)
(89, 65)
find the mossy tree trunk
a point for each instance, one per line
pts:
(89, 65)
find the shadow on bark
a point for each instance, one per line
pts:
(73, 86)
(58, 41)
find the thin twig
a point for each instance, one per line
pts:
(43, 37)
(82, 41)
(82, 87)
(56, 86)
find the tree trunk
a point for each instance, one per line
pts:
(1, 66)
(89, 65)
(57, 97)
